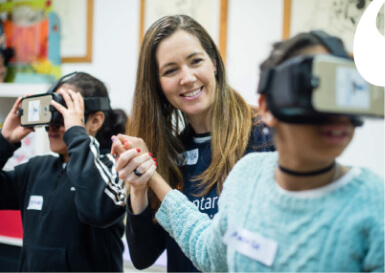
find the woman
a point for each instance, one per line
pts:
(294, 210)
(195, 125)
(72, 205)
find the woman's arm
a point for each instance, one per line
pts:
(198, 236)
(146, 239)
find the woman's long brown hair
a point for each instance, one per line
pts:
(160, 125)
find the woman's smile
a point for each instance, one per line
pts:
(191, 95)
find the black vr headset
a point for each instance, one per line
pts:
(36, 110)
(310, 89)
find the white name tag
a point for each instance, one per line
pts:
(35, 202)
(251, 245)
(191, 157)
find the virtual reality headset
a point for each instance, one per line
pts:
(310, 89)
(36, 110)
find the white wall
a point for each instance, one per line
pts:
(253, 25)
(115, 49)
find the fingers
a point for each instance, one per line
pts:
(118, 146)
(77, 101)
(129, 160)
(67, 96)
(132, 160)
(58, 107)
(146, 171)
(73, 114)
(147, 164)
(140, 182)
(16, 105)
(74, 101)
(134, 142)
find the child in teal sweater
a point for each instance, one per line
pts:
(292, 210)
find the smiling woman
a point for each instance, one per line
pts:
(187, 78)
(192, 121)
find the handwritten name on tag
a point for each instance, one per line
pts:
(35, 202)
(252, 245)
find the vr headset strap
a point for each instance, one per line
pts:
(94, 104)
(334, 45)
(56, 84)
(91, 104)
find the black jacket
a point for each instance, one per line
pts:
(72, 213)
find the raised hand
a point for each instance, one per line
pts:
(74, 113)
(125, 142)
(12, 130)
(135, 166)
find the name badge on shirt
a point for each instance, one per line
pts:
(252, 245)
(191, 157)
(35, 202)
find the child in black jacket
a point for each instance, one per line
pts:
(72, 206)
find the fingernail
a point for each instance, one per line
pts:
(150, 154)
(154, 159)
(156, 163)
(138, 150)
(112, 138)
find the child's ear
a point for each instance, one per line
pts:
(95, 122)
(267, 117)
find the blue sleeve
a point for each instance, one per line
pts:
(100, 196)
(199, 237)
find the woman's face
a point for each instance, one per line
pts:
(187, 74)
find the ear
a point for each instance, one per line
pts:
(94, 122)
(267, 117)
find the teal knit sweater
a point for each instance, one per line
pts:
(261, 227)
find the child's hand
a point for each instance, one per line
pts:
(12, 130)
(74, 113)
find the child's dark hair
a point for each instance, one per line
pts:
(115, 120)
(289, 48)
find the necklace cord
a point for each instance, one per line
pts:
(311, 173)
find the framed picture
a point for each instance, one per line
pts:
(76, 20)
(337, 17)
(211, 14)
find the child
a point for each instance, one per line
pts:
(72, 205)
(292, 210)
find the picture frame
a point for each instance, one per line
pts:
(211, 14)
(76, 18)
(336, 17)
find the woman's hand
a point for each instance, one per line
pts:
(73, 115)
(136, 169)
(12, 130)
(127, 160)
(122, 143)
